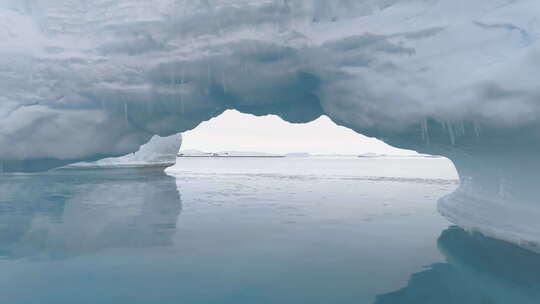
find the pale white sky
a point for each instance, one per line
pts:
(235, 131)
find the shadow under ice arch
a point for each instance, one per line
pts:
(86, 80)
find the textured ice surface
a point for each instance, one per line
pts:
(83, 80)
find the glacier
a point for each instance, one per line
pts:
(94, 79)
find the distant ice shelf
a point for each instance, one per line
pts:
(225, 154)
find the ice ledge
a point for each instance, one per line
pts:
(511, 221)
(158, 152)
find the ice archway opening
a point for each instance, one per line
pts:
(235, 131)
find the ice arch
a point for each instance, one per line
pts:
(90, 79)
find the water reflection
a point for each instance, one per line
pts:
(68, 213)
(478, 270)
(241, 252)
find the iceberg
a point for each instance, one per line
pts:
(84, 80)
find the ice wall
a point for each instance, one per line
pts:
(86, 80)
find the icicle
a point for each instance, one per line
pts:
(425, 131)
(428, 141)
(223, 82)
(452, 134)
(173, 80)
(126, 113)
(443, 125)
(460, 129)
(180, 93)
(148, 105)
(477, 131)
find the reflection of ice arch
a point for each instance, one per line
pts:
(478, 270)
(70, 212)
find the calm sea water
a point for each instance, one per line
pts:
(250, 231)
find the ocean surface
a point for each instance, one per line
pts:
(291, 230)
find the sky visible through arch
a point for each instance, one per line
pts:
(235, 131)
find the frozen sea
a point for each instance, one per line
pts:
(210, 230)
